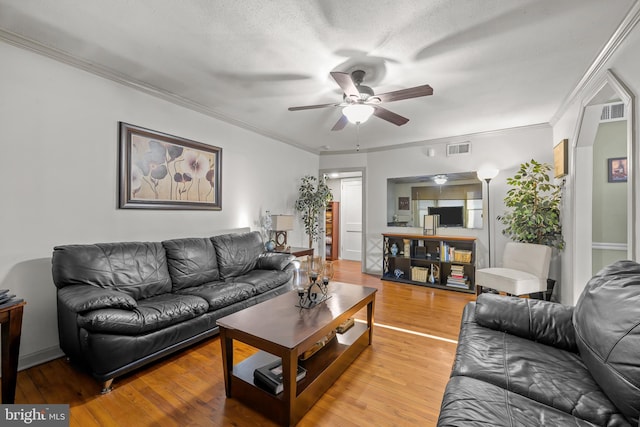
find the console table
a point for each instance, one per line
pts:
(11, 320)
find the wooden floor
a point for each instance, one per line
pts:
(397, 381)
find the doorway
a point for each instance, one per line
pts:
(351, 219)
(347, 186)
(582, 162)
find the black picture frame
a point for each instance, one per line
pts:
(162, 171)
(404, 203)
(617, 169)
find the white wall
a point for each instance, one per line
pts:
(58, 174)
(505, 150)
(624, 63)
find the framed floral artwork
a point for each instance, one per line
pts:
(161, 171)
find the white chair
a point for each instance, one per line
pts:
(525, 268)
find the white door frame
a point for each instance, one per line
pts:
(344, 230)
(580, 173)
(362, 171)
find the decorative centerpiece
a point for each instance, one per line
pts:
(266, 224)
(315, 293)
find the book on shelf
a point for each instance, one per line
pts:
(457, 286)
(270, 376)
(454, 283)
(447, 252)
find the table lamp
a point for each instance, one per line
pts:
(280, 224)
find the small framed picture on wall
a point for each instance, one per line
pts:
(617, 169)
(403, 203)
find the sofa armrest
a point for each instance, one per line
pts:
(274, 261)
(80, 298)
(542, 321)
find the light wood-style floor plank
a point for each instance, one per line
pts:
(397, 381)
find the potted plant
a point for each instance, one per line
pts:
(313, 198)
(535, 209)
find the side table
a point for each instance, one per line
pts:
(299, 252)
(11, 320)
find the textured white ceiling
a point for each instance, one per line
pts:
(493, 64)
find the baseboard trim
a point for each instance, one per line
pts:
(39, 357)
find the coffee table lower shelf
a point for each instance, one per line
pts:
(323, 369)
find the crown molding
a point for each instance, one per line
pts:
(445, 140)
(619, 36)
(115, 76)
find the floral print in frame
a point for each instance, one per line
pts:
(161, 171)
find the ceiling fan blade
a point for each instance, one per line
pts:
(346, 83)
(389, 116)
(412, 92)
(341, 123)
(310, 107)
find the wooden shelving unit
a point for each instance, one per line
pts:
(419, 255)
(332, 227)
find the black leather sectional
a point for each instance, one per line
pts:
(122, 305)
(523, 362)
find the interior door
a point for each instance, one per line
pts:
(351, 219)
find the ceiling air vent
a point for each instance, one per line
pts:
(459, 148)
(612, 112)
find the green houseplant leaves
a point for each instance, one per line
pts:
(313, 197)
(534, 203)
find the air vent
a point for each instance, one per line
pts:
(612, 112)
(457, 149)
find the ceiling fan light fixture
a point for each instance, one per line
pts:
(357, 113)
(440, 179)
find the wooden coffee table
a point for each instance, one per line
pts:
(282, 330)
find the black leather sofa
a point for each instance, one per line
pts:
(122, 305)
(523, 362)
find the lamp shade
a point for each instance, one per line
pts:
(487, 174)
(282, 222)
(357, 113)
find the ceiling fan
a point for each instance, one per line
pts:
(359, 101)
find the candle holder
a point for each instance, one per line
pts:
(315, 293)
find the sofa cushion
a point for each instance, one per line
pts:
(237, 252)
(191, 261)
(547, 374)
(221, 294)
(535, 320)
(607, 323)
(274, 261)
(79, 298)
(151, 314)
(471, 402)
(139, 269)
(263, 280)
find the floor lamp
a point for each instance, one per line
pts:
(487, 175)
